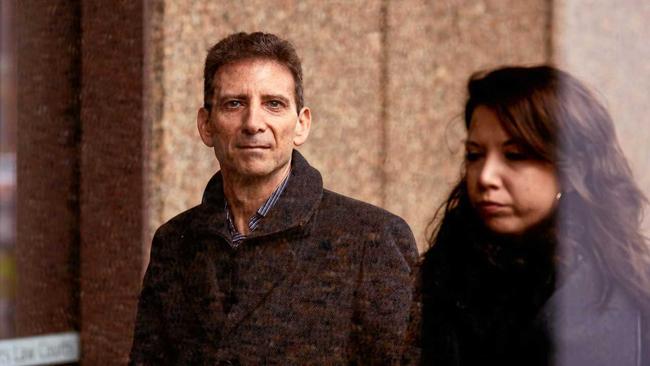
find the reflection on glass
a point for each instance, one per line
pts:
(7, 175)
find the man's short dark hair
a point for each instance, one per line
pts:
(258, 45)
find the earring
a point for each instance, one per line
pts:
(558, 196)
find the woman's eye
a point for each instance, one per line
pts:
(472, 156)
(516, 156)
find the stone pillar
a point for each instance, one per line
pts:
(113, 145)
(82, 142)
(47, 249)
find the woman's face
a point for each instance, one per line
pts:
(509, 189)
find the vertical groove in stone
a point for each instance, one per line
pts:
(384, 82)
(550, 27)
(154, 93)
(75, 205)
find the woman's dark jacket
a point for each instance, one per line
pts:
(491, 301)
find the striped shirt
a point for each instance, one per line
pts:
(253, 222)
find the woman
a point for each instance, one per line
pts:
(538, 257)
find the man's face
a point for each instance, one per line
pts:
(253, 125)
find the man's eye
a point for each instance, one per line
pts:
(232, 104)
(275, 104)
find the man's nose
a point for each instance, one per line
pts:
(490, 173)
(253, 120)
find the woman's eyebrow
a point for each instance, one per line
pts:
(470, 143)
(511, 142)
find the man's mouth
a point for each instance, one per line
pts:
(254, 146)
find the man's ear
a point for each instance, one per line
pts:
(302, 127)
(205, 127)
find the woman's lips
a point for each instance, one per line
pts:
(492, 208)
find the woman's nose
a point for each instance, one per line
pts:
(490, 173)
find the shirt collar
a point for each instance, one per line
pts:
(262, 211)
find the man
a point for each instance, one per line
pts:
(271, 268)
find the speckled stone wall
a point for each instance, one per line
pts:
(433, 48)
(383, 79)
(607, 47)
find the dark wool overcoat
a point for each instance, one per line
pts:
(323, 280)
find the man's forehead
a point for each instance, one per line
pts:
(268, 76)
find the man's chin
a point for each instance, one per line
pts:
(255, 170)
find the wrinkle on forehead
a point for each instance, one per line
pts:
(254, 76)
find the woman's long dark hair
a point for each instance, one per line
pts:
(559, 121)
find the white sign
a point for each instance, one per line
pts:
(51, 349)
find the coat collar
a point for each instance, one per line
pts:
(293, 210)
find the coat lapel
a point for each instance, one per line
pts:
(264, 260)
(263, 267)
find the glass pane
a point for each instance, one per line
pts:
(7, 173)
